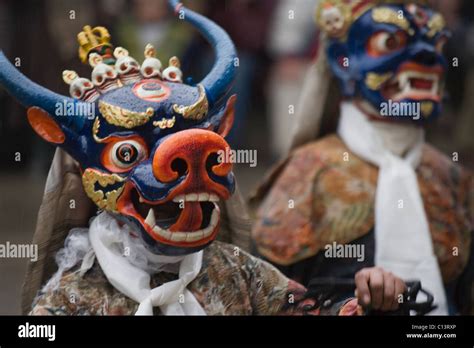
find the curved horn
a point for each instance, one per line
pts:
(30, 94)
(219, 80)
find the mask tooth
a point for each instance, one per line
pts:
(150, 219)
(403, 81)
(435, 87)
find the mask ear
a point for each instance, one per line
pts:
(227, 120)
(44, 125)
(339, 62)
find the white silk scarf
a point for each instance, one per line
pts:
(403, 242)
(173, 298)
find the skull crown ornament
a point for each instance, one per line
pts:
(147, 143)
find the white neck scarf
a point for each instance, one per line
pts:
(106, 237)
(403, 242)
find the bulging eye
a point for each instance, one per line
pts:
(383, 43)
(121, 156)
(126, 153)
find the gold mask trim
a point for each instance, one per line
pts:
(165, 123)
(109, 200)
(374, 81)
(436, 24)
(95, 132)
(196, 111)
(388, 16)
(427, 108)
(121, 117)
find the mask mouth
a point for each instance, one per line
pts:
(415, 82)
(187, 220)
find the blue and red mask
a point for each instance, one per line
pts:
(147, 144)
(386, 52)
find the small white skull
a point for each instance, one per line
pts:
(334, 17)
(83, 89)
(333, 21)
(173, 72)
(80, 88)
(126, 66)
(104, 76)
(151, 68)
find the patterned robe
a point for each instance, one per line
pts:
(322, 193)
(231, 282)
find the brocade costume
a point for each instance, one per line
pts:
(226, 285)
(334, 202)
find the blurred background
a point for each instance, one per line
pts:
(276, 40)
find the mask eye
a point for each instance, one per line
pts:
(125, 154)
(121, 156)
(383, 43)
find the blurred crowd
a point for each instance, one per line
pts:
(276, 40)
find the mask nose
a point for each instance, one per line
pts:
(191, 153)
(426, 55)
